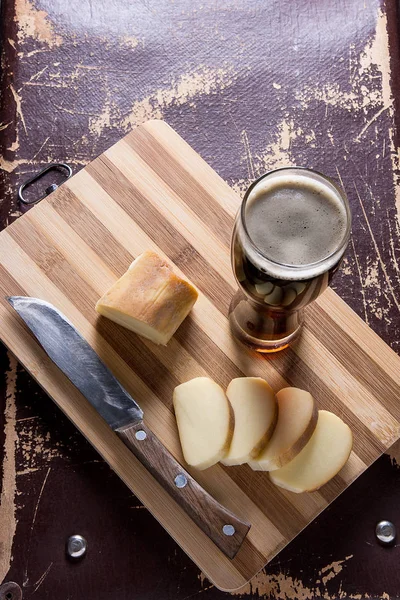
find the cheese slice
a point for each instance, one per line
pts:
(205, 421)
(297, 420)
(255, 410)
(149, 299)
(321, 459)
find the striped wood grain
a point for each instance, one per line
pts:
(151, 190)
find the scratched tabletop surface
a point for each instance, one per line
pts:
(251, 85)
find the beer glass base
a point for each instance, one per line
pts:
(261, 329)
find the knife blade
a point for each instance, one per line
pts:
(80, 363)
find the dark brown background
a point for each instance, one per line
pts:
(251, 85)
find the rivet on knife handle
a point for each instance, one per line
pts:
(225, 529)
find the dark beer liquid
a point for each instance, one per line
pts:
(285, 248)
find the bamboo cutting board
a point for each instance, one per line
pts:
(152, 191)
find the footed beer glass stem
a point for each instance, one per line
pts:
(261, 328)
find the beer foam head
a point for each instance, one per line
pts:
(297, 224)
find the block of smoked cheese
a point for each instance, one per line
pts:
(149, 299)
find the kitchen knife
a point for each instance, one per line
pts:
(83, 367)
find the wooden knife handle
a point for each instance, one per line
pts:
(225, 529)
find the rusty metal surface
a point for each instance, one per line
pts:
(251, 85)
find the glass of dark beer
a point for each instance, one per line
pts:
(289, 238)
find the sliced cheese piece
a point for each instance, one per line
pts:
(289, 296)
(299, 286)
(149, 299)
(297, 419)
(274, 298)
(255, 411)
(205, 421)
(264, 288)
(321, 459)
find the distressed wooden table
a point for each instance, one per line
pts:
(251, 86)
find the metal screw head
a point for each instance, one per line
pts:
(180, 480)
(229, 530)
(10, 591)
(76, 546)
(140, 435)
(51, 188)
(385, 532)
